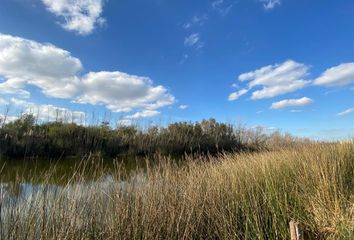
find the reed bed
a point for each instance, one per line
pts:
(232, 196)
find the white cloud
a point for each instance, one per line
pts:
(270, 4)
(7, 119)
(340, 75)
(183, 107)
(56, 73)
(275, 80)
(193, 40)
(143, 114)
(217, 3)
(272, 91)
(221, 7)
(235, 95)
(196, 21)
(348, 111)
(305, 101)
(48, 112)
(125, 122)
(3, 102)
(121, 92)
(13, 86)
(19, 102)
(81, 16)
(50, 68)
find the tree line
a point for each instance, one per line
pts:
(25, 137)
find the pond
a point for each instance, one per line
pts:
(20, 179)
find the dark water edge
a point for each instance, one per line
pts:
(58, 171)
(23, 178)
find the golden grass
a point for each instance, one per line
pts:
(241, 196)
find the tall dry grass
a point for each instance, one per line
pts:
(244, 196)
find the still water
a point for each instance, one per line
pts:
(20, 179)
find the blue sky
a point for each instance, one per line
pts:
(284, 64)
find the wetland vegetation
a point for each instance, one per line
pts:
(25, 137)
(230, 196)
(204, 180)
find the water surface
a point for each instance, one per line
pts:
(21, 178)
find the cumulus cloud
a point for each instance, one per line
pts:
(81, 16)
(270, 4)
(340, 75)
(56, 73)
(348, 111)
(305, 101)
(290, 76)
(121, 92)
(51, 69)
(193, 40)
(13, 86)
(274, 80)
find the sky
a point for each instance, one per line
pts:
(280, 64)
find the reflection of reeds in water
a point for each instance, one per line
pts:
(246, 196)
(61, 171)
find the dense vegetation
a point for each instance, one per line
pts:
(24, 137)
(236, 196)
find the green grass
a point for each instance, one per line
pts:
(236, 196)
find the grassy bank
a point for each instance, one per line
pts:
(247, 196)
